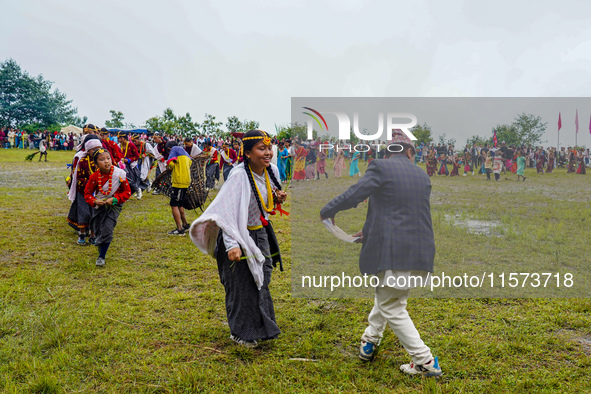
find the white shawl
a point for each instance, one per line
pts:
(148, 160)
(229, 212)
(118, 176)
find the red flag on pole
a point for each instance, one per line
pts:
(495, 138)
(577, 120)
(559, 122)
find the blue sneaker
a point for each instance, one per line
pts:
(429, 369)
(367, 351)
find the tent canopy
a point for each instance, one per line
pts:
(71, 129)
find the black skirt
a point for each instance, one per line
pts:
(103, 222)
(133, 177)
(250, 311)
(212, 173)
(79, 215)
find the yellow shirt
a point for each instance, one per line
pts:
(181, 172)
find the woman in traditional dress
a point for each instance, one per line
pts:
(212, 167)
(321, 164)
(520, 165)
(339, 163)
(129, 163)
(299, 171)
(467, 160)
(354, 166)
(550, 166)
(82, 168)
(289, 162)
(570, 168)
(443, 169)
(235, 230)
(282, 161)
(431, 164)
(456, 166)
(581, 159)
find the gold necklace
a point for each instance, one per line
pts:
(270, 205)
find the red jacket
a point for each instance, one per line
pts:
(232, 155)
(114, 150)
(86, 169)
(130, 152)
(122, 194)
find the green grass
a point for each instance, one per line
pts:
(153, 320)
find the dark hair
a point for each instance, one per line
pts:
(96, 154)
(170, 144)
(188, 139)
(248, 144)
(405, 147)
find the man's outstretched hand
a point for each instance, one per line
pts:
(323, 219)
(359, 235)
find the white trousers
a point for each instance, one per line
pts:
(390, 308)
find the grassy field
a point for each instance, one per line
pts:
(153, 320)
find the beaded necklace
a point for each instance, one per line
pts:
(270, 206)
(101, 183)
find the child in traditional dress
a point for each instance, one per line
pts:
(235, 230)
(443, 169)
(106, 191)
(488, 161)
(497, 164)
(456, 165)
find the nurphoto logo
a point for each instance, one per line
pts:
(344, 123)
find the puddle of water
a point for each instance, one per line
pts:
(479, 227)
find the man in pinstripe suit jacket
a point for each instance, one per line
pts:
(398, 242)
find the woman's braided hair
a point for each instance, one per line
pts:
(249, 140)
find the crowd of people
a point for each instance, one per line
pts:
(21, 139)
(498, 160)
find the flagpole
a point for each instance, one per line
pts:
(559, 126)
(577, 126)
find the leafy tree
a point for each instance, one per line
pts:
(480, 141)
(234, 125)
(442, 139)
(171, 124)
(116, 121)
(529, 129)
(423, 134)
(507, 133)
(292, 131)
(250, 125)
(187, 126)
(25, 99)
(79, 121)
(210, 127)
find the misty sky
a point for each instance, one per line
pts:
(248, 58)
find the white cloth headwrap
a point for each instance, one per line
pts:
(88, 145)
(229, 212)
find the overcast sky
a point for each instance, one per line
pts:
(248, 58)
